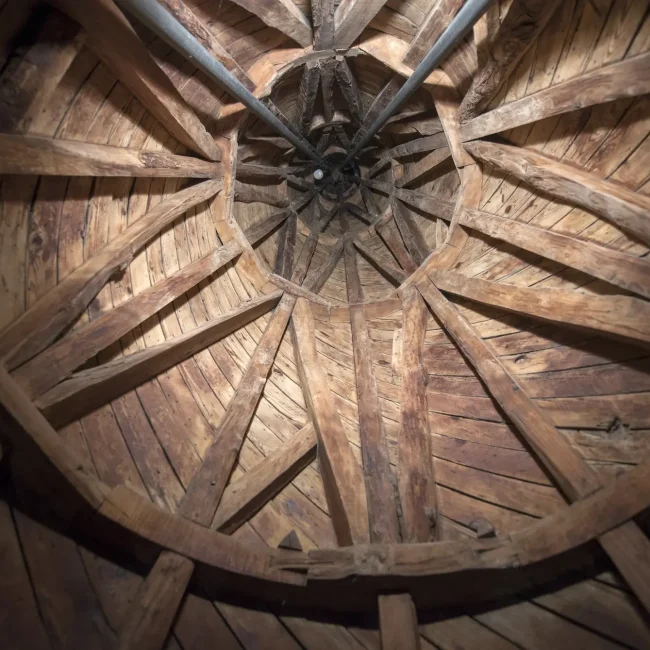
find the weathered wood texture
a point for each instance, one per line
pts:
(518, 31)
(628, 78)
(245, 496)
(88, 389)
(307, 95)
(284, 15)
(351, 18)
(618, 316)
(42, 323)
(150, 618)
(341, 474)
(625, 208)
(415, 473)
(34, 155)
(200, 31)
(440, 15)
(621, 269)
(115, 41)
(349, 89)
(322, 17)
(398, 622)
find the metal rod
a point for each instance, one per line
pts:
(470, 12)
(152, 14)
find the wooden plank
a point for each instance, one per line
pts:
(440, 15)
(245, 193)
(413, 239)
(415, 171)
(284, 15)
(625, 208)
(150, 617)
(620, 269)
(284, 257)
(620, 316)
(48, 317)
(398, 622)
(396, 246)
(349, 88)
(520, 27)
(248, 494)
(351, 18)
(378, 474)
(327, 68)
(341, 474)
(117, 44)
(434, 206)
(628, 78)
(250, 170)
(382, 99)
(200, 31)
(446, 101)
(59, 360)
(322, 17)
(419, 145)
(88, 389)
(27, 154)
(307, 95)
(415, 474)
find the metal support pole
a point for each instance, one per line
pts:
(152, 14)
(470, 12)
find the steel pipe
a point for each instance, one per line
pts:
(152, 14)
(470, 12)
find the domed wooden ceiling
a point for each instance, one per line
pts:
(401, 405)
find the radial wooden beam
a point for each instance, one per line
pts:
(327, 68)
(153, 610)
(415, 474)
(286, 248)
(521, 26)
(433, 206)
(284, 15)
(413, 239)
(383, 98)
(395, 245)
(117, 44)
(626, 544)
(617, 316)
(248, 494)
(358, 212)
(440, 15)
(307, 95)
(245, 193)
(26, 154)
(351, 18)
(349, 88)
(628, 78)
(341, 474)
(322, 16)
(88, 389)
(398, 622)
(390, 271)
(250, 170)
(446, 101)
(200, 31)
(54, 364)
(415, 171)
(623, 270)
(627, 209)
(419, 145)
(48, 317)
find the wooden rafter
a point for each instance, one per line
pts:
(117, 44)
(341, 474)
(251, 170)
(521, 26)
(436, 207)
(351, 18)
(618, 316)
(349, 88)
(440, 15)
(413, 239)
(248, 494)
(380, 102)
(390, 271)
(446, 101)
(628, 78)
(284, 257)
(419, 145)
(59, 360)
(284, 15)
(88, 389)
(627, 209)
(150, 619)
(47, 318)
(200, 31)
(307, 95)
(415, 171)
(398, 622)
(25, 154)
(327, 68)
(626, 271)
(245, 193)
(575, 477)
(322, 14)
(395, 245)
(415, 473)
